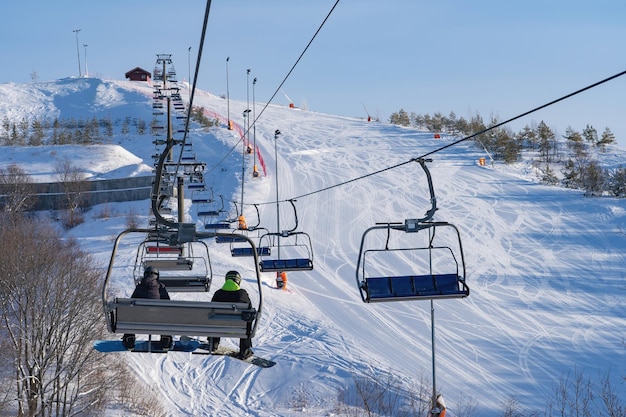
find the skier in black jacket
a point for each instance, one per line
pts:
(233, 293)
(149, 287)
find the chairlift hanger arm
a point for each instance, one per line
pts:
(431, 189)
(157, 186)
(295, 215)
(110, 268)
(258, 217)
(414, 225)
(287, 232)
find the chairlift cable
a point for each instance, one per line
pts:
(195, 79)
(463, 139)
(277, 88)
(528, 112)
(297, 61)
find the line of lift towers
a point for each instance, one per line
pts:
(415, 259)
(180, 251)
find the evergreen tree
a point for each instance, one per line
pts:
(571, 176)
(141, 127)
(451, 123)
(461, 126)
(6, 124)
(417, 120)
(548, 176)
(593, 179)
(126, 126)
(37, 135)
(427, 122)
(547, 145)
(437, 122)
(400, 118)
(616, 182)
(23, 132)
(95, 130)
(528, 138)
(476, 124)
(6, 129)
(575, 142)
(511, 148)
(590, 134)
(14, 136)
(608, 138)
(108, 127)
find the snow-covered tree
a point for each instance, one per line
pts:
(16, 186)
(50, 311)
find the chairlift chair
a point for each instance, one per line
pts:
(237, 249)
(421, 269)
(296, 247)
(184, 267)
(179, 317)
(425, 258)
(210, 208)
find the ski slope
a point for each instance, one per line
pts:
(545, 265)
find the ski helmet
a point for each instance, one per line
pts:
(151, 270)
(233, 276)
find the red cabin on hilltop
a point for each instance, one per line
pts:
(138, 74)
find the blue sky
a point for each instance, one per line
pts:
(495, 58)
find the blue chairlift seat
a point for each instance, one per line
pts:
(209, 213)
(279, 265)
(229, 239)
(219, 225)
(415, 287)
(200, 200)
(247, 251)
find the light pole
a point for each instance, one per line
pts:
(80, 74)
(189, 71)
(246, 115)
(248, 106)
(255, 172)
(276, 134)
(86, 70)
(227, 96)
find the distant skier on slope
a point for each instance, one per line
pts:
(439, 410)
(281, 280)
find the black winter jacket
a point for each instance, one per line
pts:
(150, 287)
(231, 293)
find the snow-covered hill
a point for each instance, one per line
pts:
(546, 266)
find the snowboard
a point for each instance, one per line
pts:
(144, 346)
(203, 349)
